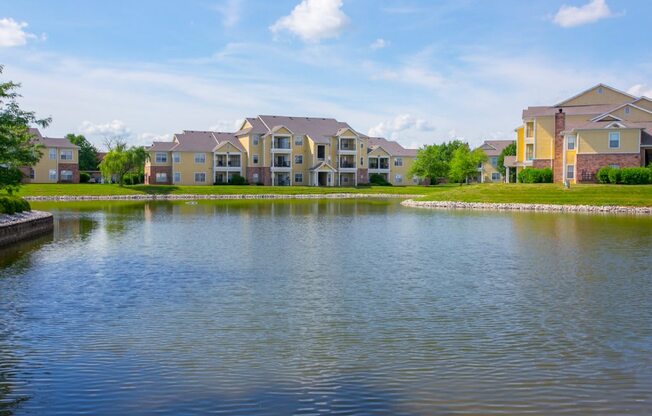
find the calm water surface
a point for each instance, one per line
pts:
(338, 307)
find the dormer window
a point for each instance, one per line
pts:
(627, 110)
(600, 90)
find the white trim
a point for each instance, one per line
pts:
(609, 140)
(618, 108)
(200, 173)
(615, 125)
(592, 88)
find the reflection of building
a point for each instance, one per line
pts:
(598, 127)
(488, 171)
(281, 151)
(59, 163)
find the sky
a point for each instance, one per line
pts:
(419, 72)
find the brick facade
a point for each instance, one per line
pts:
(363, 175)
(587, 165)
(264, 175)
(541, 163)
(150, 175)
(558, 161)
(74, 168)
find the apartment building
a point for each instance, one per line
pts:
(58, 164)
(279, 151)
(488, 171)
(601, 126)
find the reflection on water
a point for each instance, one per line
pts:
(312, 307)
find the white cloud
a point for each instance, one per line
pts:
(12, 33)
(571, 16)
(400, 124)
(227, 126)
(115, 128)
(146, 139)
(313, 20)
(379, 44)
(640, 90)
(230, 11)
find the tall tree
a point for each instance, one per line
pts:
(433, 161)
(87, 152)
(465, 163)
(18, 147)
(121, 160)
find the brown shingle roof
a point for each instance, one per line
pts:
(392, 147)
(495, 147)
(162, 146)
(531, 112)
(320, 130)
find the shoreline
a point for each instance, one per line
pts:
(192, 197)
(522, 207)
(24, 226)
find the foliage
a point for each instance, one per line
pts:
(614, 175)
(133, 178)
(12, 204)
(532, 175)
(17, 145)
(378, 180)
(433, 161)
(510, 150)
(636, 176)
(237, 180)
(121, 160)
(87, 152)
(603, 174)
(465, 163)
(84, 177)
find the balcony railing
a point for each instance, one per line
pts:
(282, 164)
(232, 164)
(347, 165)
(283, 144)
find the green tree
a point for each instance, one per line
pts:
(18, 148)
(433, 161)
(121, 160)
(465, 163)
(510, 150)
(87, 152)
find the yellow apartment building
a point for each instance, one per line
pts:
(488, 171)
(58, 164)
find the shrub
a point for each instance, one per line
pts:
(378, 180)
(614, 175)
(635, 176)
(603, 174)
(532, 175)
(237, 180)
(13, 204)
(84, 177)
(127, 180)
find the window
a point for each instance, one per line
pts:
(600, 90)
(255, 140)
(53, 154)
(176, 177)
(256, 159)
(345, 180)
(254, 177)
(66, 155)
(361, 145)
(627, 110)
(570, 172)
(176, 157)
(398, 161)
(161, 157)
(415, 180)
(52, 175)
(66, 175)
(614, 166)
(32, 174)
(321, 151)
(298, 177)
(529, 129)
(362, 161)
(298, 159)
(529, 152)
(495, 176)
(298, 140)
(494, 161)
(614, 140)
(570, 142)
(398, 179)
(200, 158)
(200, 177)
(161, 177)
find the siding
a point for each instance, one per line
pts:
(597, 141)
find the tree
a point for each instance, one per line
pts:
(465, 163)
(433, 161)
(120, 160)
(87, 152)
(510, 150)
(18, 148)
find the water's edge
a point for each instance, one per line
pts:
(185, 197)
(490, 206)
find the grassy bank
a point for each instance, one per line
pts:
(625, 195)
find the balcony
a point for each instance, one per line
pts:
(347, 164)
(347, 146)
(281, 164)
(281, 145)
(378, 165)
(224, 162)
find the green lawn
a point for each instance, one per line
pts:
(625, 195)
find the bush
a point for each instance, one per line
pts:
(378, 180)
(237, 180)
(615, 175)
(603, 174)
(84, 177)
(132, 178)
(531, 175)
(13, 204)
(636, 176)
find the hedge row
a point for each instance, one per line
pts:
(532, 175)
(13, 204)
(625, 176)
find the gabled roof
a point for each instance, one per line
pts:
(162, 146)
(591, 89)
(538, 111)
(196, 141)
(320, 130)
(322, 165)
(61, 143)
(602, 116)
(392, 147)
(495, 147)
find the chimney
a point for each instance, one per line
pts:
(558, 161)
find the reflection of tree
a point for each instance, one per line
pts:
(17, 256)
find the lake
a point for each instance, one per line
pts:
(326, 307)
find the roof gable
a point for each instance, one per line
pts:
(644, 102)
(599, 94)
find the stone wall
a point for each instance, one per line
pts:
(73, 167)
(589, 164)
(264, 175)
(26, 226)
(150, 175)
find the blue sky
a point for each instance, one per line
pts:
(416, 71)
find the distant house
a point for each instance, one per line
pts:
(488, 171)
(59, 163)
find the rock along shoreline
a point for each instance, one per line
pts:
(191, 197)
(23, 226)
(487, 206)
